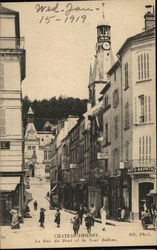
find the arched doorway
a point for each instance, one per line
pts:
(144, 189)
(31, 171)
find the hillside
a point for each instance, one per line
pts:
(53, 109)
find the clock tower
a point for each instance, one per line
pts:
(102, 63)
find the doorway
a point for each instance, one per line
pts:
(144, 189)
(31, 171)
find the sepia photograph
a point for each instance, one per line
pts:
(78, 124)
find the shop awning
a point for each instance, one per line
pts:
(9, 183)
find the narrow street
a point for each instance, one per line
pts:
(30, 234)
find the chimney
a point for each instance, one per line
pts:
(149, 17)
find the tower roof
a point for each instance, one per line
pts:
(30, 111)
(4, 10)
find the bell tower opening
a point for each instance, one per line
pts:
(30, 116)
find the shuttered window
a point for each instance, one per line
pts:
(2, 122)
(126, 76)
(145, 149)
(116, 126)
(143, 66)
(142, 109)
(126, 117)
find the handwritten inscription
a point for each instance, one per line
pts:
(70, 13)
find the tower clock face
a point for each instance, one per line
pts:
(106, 46)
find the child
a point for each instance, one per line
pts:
(88, 222)
(57, 218)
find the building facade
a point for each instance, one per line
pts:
(12, 73)
(133, 132)
(60, 163)
(37, 150)
(108, 157)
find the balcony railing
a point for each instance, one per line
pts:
(141, 166)
(12, 43)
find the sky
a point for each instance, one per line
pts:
(58, 53)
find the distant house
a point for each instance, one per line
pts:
(37, 151)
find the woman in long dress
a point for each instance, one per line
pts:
(103, 217)
(15, 219)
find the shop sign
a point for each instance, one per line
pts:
(141, 169)
(73, 166)
(102, 155)
(100, 139)
(65, 166)
(5, 145)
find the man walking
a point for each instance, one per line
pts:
(35, 205)
(93, 212)
(42, 217)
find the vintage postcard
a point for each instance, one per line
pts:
(77, 124)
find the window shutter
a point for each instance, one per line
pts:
(146, 148)
(1, 75)
(140, 153)
(143, 147)
(135, 110)
(150, 147)
(145, 109)
(145, 66)
(149, 109)
(139, 67)
(2, 122)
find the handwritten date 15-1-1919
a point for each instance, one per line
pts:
(71, 19)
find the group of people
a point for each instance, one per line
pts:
(121, 214)
(77, 220)
(89, 215)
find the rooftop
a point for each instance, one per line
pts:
(4, 10)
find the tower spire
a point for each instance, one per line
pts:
(30, 115)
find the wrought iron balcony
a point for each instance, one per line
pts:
(141, 166)
(12, 43)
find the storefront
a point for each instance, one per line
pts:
(95, 197)
(141, 186)
(11, 192)
(143, 180)
(120, 195)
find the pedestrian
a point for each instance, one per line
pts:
(80, 213)
(35, 205)
(122, 214)
(119, 213)
(92, 212)
(103, 217)
(57, 218)
(76, 224)
(88, 222)
(42, 217)
(15, 219)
